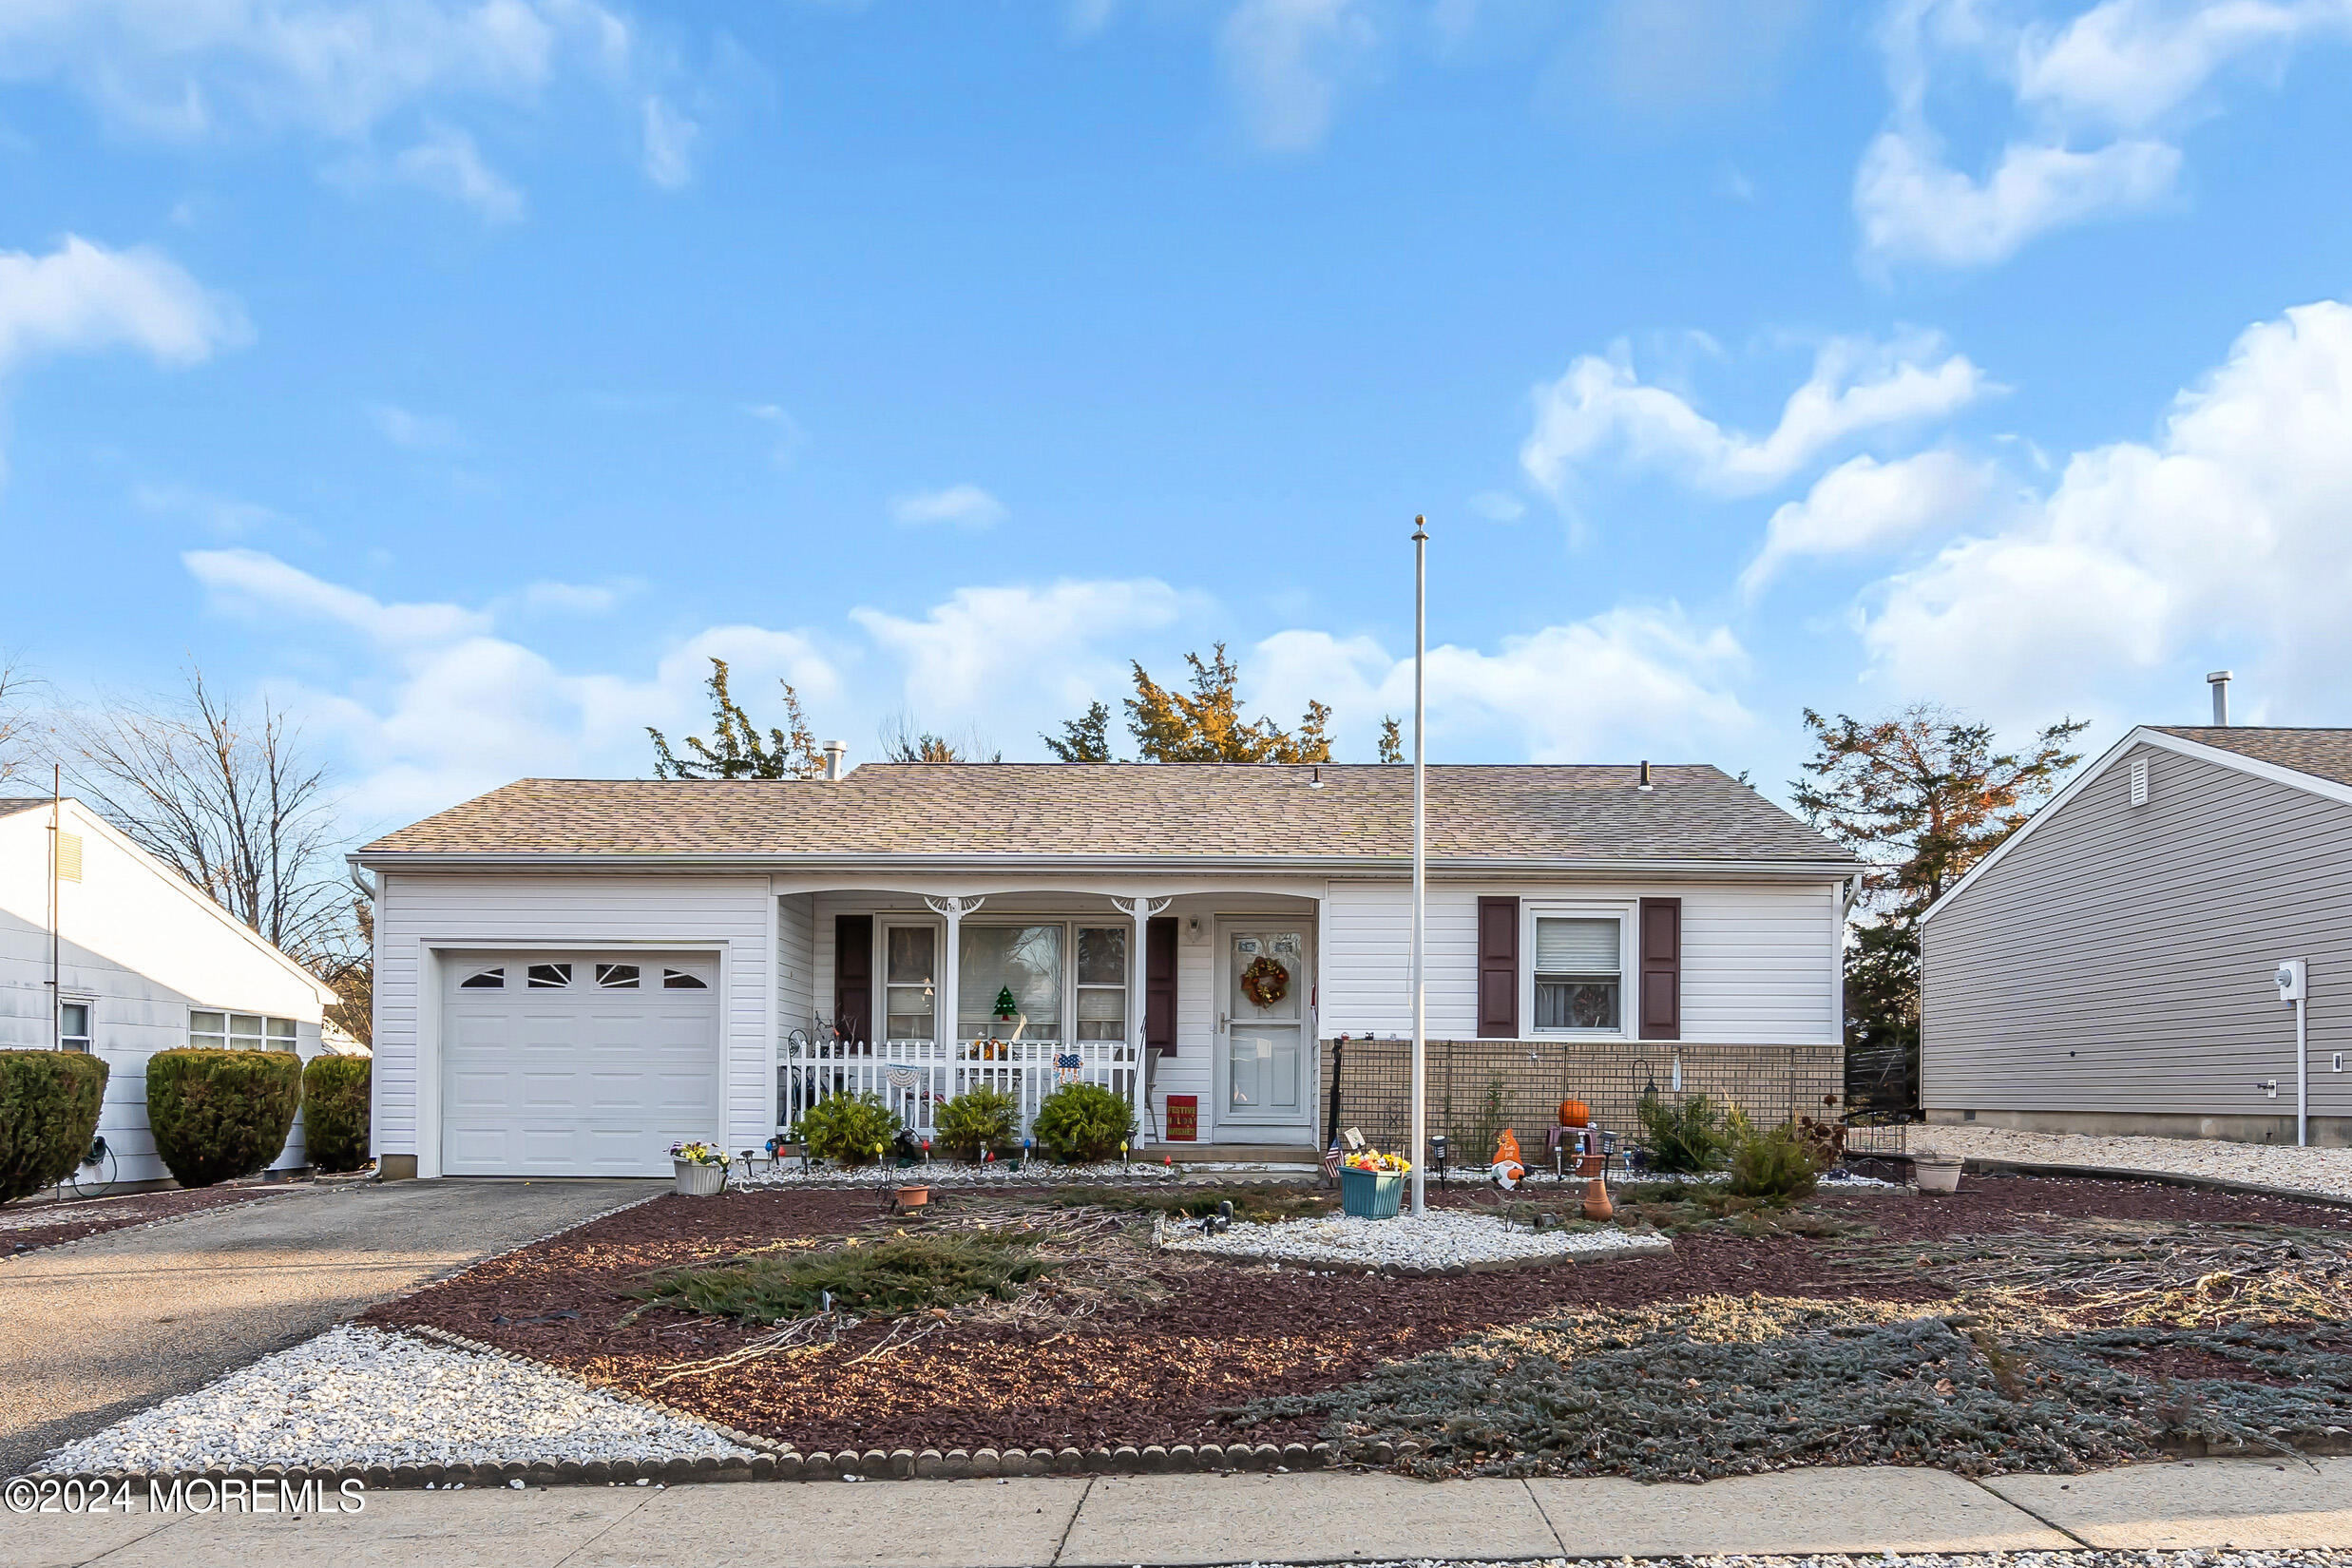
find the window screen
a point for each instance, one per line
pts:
(1579, 972)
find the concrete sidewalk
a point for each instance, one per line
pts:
(1310, 1517)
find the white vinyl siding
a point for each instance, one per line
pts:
(1761, 964)
(422, 916)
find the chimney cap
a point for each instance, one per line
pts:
(2217, 677)
(836, 752)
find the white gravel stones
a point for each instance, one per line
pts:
(362, 1396)
(2268, 1164)
(1439, 1239)
(2317, 1557)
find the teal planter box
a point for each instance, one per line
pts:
(1370, 1195)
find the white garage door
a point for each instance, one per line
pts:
(577, 1064)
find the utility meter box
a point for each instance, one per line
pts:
(2291, 979)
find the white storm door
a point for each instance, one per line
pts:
(1265, 985)
(577, 1063)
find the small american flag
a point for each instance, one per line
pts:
(1330, 1160)
(1069, 1065)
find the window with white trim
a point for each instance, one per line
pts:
(1579, 963)
(73, 1025)
(1021, 964)
(240, 1031)
(909, 998)
(1103, 982)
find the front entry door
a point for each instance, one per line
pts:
(1267, 977)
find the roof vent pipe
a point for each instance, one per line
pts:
(836, 759)
(1645, 777)
(2219, 680)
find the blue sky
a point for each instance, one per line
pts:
(461, 374)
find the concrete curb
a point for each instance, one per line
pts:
(1979, 1165)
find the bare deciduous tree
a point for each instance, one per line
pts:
(226, 797)
(16, 719)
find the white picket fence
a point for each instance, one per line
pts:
(916, 1077)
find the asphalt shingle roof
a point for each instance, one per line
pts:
(2323, 753)
(1052, 809)
(11, 805)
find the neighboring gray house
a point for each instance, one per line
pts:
(2110, 968)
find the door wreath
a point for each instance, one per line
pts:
(1265, 981)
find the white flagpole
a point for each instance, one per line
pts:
(1420, 1155)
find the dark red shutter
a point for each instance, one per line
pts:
(1661, 968)
(853, 978)
(1497, 969)
(1159, 984)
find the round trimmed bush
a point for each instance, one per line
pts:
(982, 1117)
(848, 1128)
(1082, 1122)
(49, 1114)
(334, 1111)
(220, 1114)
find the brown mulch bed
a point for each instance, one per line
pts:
(28, 1229)
(1160, 1372)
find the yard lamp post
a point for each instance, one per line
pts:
(1419, 1089)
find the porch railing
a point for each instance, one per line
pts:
(916, 1077)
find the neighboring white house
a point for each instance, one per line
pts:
(571, 973)
(143, 962)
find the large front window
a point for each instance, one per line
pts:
(1015, 964)
(1579, 972)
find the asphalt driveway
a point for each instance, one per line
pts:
(93, 1331)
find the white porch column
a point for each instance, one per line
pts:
(952, 911)
(1139, 909)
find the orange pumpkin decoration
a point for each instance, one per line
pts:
(1574, 1112)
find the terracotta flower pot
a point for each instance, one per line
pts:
(1597, 1204)
(1574, 1112)
(913, 1198)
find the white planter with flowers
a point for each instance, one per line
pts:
(700, 1168)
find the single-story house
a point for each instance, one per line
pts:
(104, 949)
(2112, 968)
(572, 973)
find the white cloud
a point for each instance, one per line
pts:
(1034, 655)
(448, 165)
(223, 514)
(2223, 537)
(435, 706)
(1498, 505)
(1602, 408)
(670, 139)
(345, 70)
(1630, 678)
(1865, 505)
(2103, 100)
(83, 296)
(965, 505)
(407, 428)
(1914, 207)
(1287, 59)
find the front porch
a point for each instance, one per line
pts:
(1195, 1003)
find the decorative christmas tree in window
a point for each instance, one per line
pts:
(1005, 1006)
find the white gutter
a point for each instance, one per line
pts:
(1341, 866)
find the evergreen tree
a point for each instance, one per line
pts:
(1921, 796)
(736, 749)
(1083, 739)
(1206, 724)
